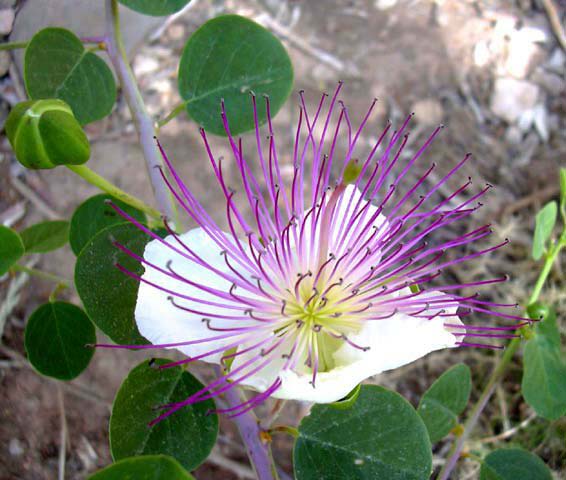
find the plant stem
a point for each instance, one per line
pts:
(63, 435)
(499, 369)
(175, 112)
(142, 121)
(98, 181)
(41, 274)
(13, 45)
(457, 447)
(547, 267)
(250, 431)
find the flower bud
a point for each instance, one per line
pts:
(45, 133)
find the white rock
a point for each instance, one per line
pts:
(522, 52)
(511, 98)
(428, 111)
(15, 447)
(526, 120)
(540, 120)
(557, 62)
(482, 53)
(513, 135)
(552, 83)
(176, 32)
(534, 34)
(504, 25)
(144, 65)
(6, 21)
(385, 4)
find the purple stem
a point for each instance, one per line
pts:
(250, 431)
(459, 445)
(142, 121)
(498, 371)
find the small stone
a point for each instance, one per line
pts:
(4, 62)
(144, 65)
(551, 82)
(557, 62)
(15, 447)
(511, 98)
(540, 120)
(6, 21)
(482, 54)
(176, 32)
(522, 52)
(428, 111)
(514, 135)
(385, 4)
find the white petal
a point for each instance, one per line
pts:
(159, 320)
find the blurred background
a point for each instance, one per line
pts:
(492, 71)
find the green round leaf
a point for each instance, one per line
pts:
(44, 134)
(56, 339)
(381, 436)
(227, 58)
(45, 236)
(156, 8)
(11, 248)
(109, 295)
(544, 373)
(513, 464)
(56, 65)
(93, 215)
(188, 435)
(148, 467)
(445, 400)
